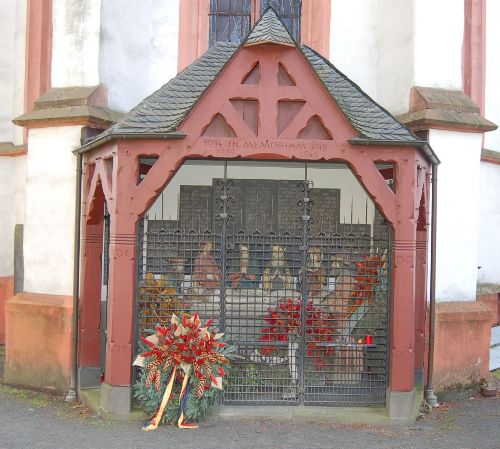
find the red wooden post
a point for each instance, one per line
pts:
(121, 282)
(421, 285)
(90, 297)
(402, 376)
(91, 275)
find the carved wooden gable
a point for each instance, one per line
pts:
(268, 92)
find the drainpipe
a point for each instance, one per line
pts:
(429, 390)
(72, 393)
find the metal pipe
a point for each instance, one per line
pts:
(72, 393)
(429, 390)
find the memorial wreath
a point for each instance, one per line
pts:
(183, 369)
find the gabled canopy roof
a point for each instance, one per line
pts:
(269, 30)
(160, 114)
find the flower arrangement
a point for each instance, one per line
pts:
(365, 281)
(285, 324)
(158, 301)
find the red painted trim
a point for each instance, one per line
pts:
(315, 25)
(424, 126)
(474, 51)
(193, 31)
(6, 292)
(91, 275)
(38, 51)
(490, 160)
(15, 153)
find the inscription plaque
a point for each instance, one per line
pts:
(325, 212)
(288, 196)
(260, 205)
(260, 202)
(236, 204)
(195, 209)
(380, 230)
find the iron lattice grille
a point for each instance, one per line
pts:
(307, 309)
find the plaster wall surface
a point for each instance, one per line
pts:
(19, 166)
(75, 48)
(7, 216)
(492, 94)
(458, 214)
(164, 44)
(125, 38)
(50, 205)
(6, 73)
(372, 42)
(19, 69)
(355, 53)
(138, 48)
(395, 53)
(489, 224)
(12, 204)
(12, 26)
(439, 29)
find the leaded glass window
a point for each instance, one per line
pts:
(289, 12)
(229, 20)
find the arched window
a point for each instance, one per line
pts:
(229, 20)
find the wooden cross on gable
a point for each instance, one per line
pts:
(268, 91)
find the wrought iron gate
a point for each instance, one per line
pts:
(304, 297)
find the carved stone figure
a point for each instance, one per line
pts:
(175, 273)
(349, 360)
(316, 275)
(246, 274)
(206, 272)
(277, 275)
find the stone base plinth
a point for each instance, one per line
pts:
(490, 295)
(116, 401)
(38, 341)
(6, 291)
(462, 344)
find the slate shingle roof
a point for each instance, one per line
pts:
(269, 29)
(367, 117)
(161, 113)
(164, 110)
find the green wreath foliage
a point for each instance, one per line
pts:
(196, 408)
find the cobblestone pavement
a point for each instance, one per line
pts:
(30, 420)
